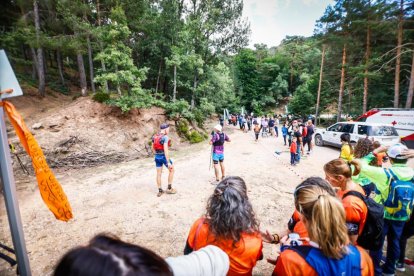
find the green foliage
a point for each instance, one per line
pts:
(138, 98)
(101, 97)
(195, 137)
(179, 109)
(303, 101)
(182, 127)
(117, 56)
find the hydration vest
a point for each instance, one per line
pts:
(349, 265)
(221, 139)
(399, 203)
(158, 146)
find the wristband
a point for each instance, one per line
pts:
(276, 239)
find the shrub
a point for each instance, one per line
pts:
(138, 98)
(101, 97)
(182, 128)
(195, 137)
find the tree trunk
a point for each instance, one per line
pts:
(342, 85)
(40, 65)
(398, 60)
(60, 67)
(175, 83)
(82, 75)
(34, 71)
(158, 78)
(409, 101)
(88, 40)
(349, 99)
(118, 87)
(320, 85)
(194, 90)
(35, 66)
(106, 87)
(367, 55)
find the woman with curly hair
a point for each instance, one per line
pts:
(230, 224)
(362, 149)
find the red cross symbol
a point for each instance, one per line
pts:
(394, 123)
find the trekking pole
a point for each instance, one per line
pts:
(211, 158)
(25, 170)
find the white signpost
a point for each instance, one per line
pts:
(9, 87)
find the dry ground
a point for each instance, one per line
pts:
(121, 199)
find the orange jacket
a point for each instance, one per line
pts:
(291, 263)
(293, 147)
(243, 255)
(298, 226)
(355, 209)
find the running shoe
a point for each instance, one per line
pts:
(171, 191)
(400, 267)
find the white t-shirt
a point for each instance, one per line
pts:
(207, 261)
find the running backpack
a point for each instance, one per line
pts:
(349, 265)
(399, 202)
(158, 146)
(304, 131)
(371, 236)
(221, 139)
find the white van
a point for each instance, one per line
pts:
(401, 118)
(385, 134)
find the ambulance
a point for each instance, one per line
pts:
(401, 118)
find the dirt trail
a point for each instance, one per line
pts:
(121, 199)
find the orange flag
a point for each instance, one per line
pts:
(50, 189)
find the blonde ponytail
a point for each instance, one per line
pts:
(325, 220)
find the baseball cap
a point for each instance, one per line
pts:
(164, 126)
(218, 127)
(395, 151)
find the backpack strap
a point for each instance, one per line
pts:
(303, 250)
(349, 264)
(354, 193)
(387, 172)
(393, 175)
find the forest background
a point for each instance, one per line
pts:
(191, 57)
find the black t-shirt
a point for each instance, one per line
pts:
(271, 123)
(310, 131)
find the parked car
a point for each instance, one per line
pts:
(401, 118)
(385, 134)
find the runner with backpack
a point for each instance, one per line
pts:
(310, 131)
(304, 137)
(329, 251)
(394, 188)
(271, 125)
(364, 217)
(160, 146)
(218, 139)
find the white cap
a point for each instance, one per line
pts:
(395, 151)
(218, 127)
